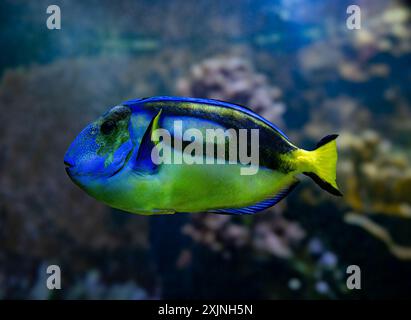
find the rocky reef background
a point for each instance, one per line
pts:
(306, 73)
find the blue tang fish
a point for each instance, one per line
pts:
(115, 159)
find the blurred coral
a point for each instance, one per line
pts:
(376, 175)
(41, 210)
(333, 80)
(233, 79)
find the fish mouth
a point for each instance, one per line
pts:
(68, 167)
(68, 171)
(68, 164)
(68, 161)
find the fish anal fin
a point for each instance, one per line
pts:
(262, 205)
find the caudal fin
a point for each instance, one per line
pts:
(324, 164)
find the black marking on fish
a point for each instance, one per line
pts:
(324, 184)
(326, 139)
(272, 142)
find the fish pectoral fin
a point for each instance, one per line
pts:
(143, 160)
(262, 205)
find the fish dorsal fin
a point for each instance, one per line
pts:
(143, 161)
(266, 203)
(214, 102)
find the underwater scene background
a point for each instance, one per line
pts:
(293, 62)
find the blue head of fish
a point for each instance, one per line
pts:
(101, 149)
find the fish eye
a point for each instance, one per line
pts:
(107, 127)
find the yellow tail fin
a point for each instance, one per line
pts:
(323, 164)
